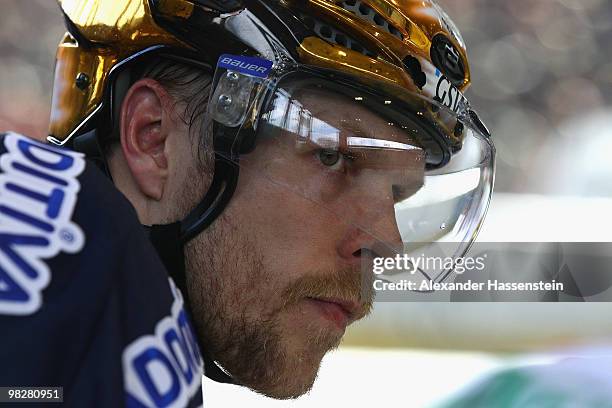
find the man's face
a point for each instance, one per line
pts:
(275, 281)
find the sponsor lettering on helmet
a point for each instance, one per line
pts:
(253, 66)
(449, 95)
(441, 89)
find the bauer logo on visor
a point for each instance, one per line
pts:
(253, 66)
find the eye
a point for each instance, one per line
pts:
(335, 160)
(329, 157)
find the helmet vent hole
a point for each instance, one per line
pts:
(325, 31)
(368, 14)
(357, 47)
(365, 10)
(379, 20)
(395, 32)
(333, 35)
(413, 66)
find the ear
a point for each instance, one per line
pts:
(144, 134)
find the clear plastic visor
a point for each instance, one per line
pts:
(377, 168)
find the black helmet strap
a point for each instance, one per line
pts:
(169, 240)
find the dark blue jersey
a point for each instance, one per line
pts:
(85, 302)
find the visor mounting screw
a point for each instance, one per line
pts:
(82, 81)
(443, 226)
(225, 101)
(232, 77)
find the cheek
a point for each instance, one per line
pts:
(295, 235)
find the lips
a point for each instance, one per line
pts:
(340, 312)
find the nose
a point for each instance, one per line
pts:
(369, 238)
(372, 229)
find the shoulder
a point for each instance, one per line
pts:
(70, 181)
(58, 213)
(77, 279)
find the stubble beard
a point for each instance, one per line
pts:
(226, 276)
(230, 290)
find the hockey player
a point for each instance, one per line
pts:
(271, 149)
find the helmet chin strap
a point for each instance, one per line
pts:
(169, 241)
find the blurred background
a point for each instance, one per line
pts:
(542, 81)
